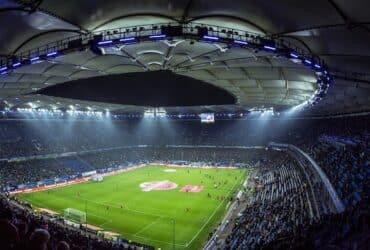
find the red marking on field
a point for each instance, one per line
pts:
(157, 185)
(191, 188)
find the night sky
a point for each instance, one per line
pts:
(156, 88)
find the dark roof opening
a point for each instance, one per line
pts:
(155, 88)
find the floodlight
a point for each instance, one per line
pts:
(34, 58)
(105, 42)
(241, 42)
(50, 54)
(127, 39)
(294, 55)
(157, 36)
(268, 47)
(214, 38)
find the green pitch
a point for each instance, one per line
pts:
(119, 204)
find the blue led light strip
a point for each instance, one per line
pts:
(214, 38)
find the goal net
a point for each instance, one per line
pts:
(75, 215)
(97, 177)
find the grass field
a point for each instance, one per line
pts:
(119, 204)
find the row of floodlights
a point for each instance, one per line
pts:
(324, 79)
(323, 76)
(129, 40)
(192, 116)
(155, 113)
(267, 46)
(4, 69)
(271, 47)
(32, 60)
(72, 112)
(255, 112)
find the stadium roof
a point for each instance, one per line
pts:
(335, 31)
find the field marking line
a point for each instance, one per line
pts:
(126, 207)
(106, 221)
(210, 217)
(160, 241)
(110, 204)
(37, 203)
(194, 237)
(49, 199)
(148, 226)
(91, 214)
(97, 216)
(135, 235)
(137, 211)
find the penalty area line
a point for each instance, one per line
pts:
(148, 226)
(106, 221)
(116, 206)
(89, 214)
(210, 217)
(160, 241)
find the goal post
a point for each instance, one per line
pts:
(97, 177)
(75, 215)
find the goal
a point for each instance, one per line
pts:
(97, 177)
(75, 215)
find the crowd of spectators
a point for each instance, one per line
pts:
(21, 229)
(347, 164)
(30, 138)
(279, 216)
(346, 230)
(280, 210)
(22, 172)
(35, 137)
(277, 206)
(29, 171)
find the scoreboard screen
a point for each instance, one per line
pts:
(207, 118)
